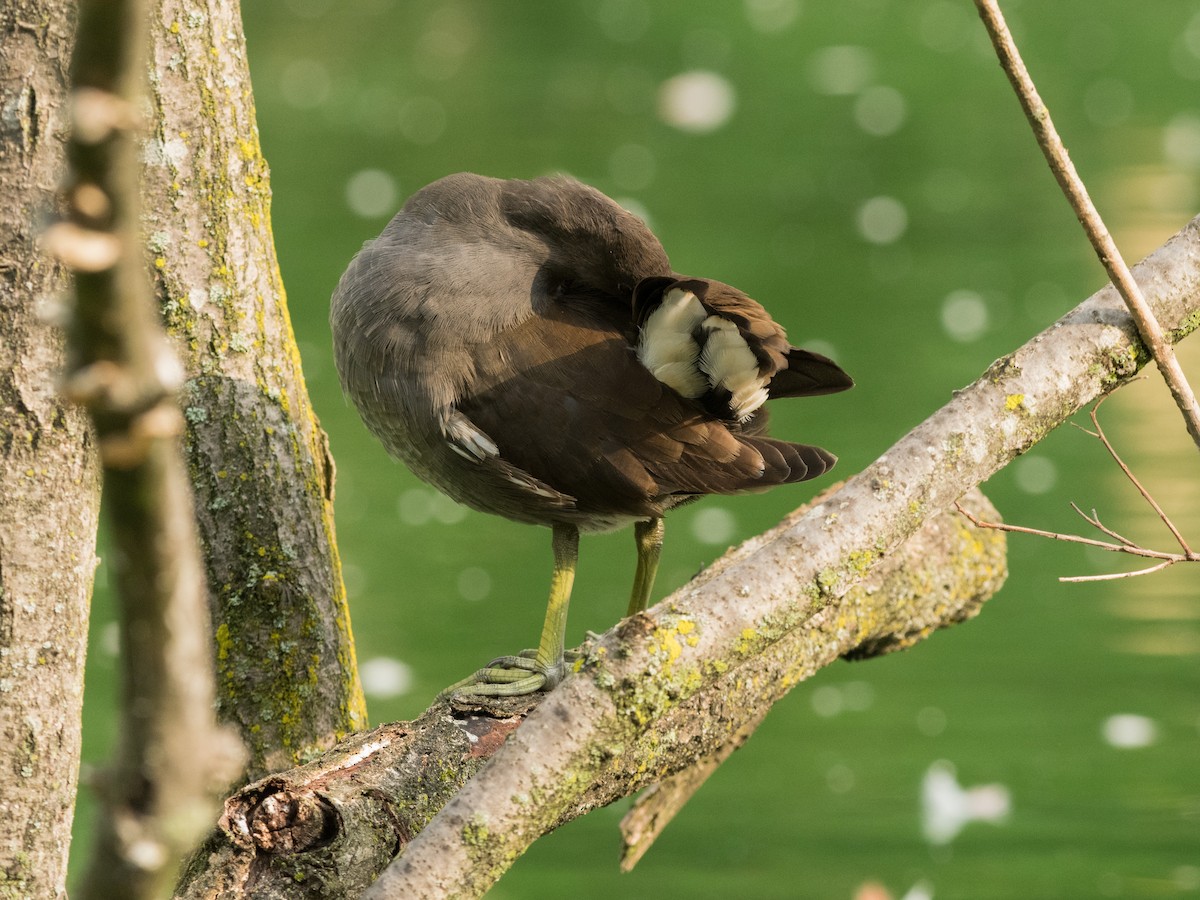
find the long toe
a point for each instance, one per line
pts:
(508, 676)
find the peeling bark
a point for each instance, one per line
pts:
(49, 486)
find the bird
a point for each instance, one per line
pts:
(525, 347)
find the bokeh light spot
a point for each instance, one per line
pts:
(698, 101)
(841, 70)
(964, 316)
(713, 525)
(384, 677)
(304, 83)
(1127, 731)
(1035, 474)
(882, 220)
(474, 584)
(880, 110)
(371, 193)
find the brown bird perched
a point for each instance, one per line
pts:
(525, 347)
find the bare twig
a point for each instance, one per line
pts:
(1099, 433)
(1106, 249)
(1113, 576)
(171, 756)
(1124, 545)
(1094, 521)
(1132, 549)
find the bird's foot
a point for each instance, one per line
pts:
(511, 676)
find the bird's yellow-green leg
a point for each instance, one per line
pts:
(512, 676)
(649, 538)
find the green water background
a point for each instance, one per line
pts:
(874, 184)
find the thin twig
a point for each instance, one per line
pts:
(1106, 249)
(1137, 484)
(1125, 545)
(1113, 576)
(157, 795)
(1134, 550)
(1094, 521)
(1168, 559)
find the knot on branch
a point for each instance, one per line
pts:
(82, 249)
(272, 819)
(96, 114)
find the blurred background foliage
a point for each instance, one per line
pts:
(863, 169)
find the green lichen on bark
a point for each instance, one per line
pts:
(257, 456)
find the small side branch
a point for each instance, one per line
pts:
(1166, 520)
(1123, 544)
(1056, 155)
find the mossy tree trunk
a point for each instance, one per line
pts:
(49, 486)
(260, 468)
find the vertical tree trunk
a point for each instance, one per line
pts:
(260, 468)
(49, 489)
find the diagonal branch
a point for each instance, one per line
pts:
(736, 637)
(348, 811)
(799, 571)
(1106, 249)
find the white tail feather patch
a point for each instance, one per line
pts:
(667, 347)
(729, 363)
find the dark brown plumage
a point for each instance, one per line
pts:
(525, 347)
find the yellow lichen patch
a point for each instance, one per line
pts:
(1014, 401)
(667, 642)
(745, 643)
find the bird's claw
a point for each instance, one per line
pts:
(508, 676)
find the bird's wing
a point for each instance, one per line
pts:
(566, 400)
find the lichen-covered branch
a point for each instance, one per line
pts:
(327, 829)
(171, 756)
(788, 585)
(704, 663)
(257, 457)
(49, 481)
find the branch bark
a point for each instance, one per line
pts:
(257, 457)
(735, 638)
(326, 830)
(171, 757)
(49, 482)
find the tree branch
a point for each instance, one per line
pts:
(1072, 186)
(49, 477)
(257, 457)
(171, 757)
(329, 828)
